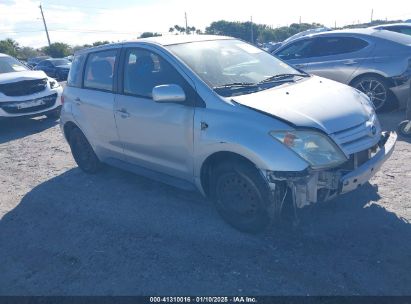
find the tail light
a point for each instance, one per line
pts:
(62, 99)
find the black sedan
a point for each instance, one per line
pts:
(55, 67)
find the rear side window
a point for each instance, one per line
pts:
(99, 70)
(328, 46)
(74, 77)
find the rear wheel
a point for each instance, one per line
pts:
(83, 153)
(376, 88)
(242, 196)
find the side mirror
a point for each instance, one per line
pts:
(168, 93)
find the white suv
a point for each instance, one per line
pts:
(27, 93)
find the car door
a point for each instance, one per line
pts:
(337, 57)
(155, 136)
(48, 68)
(92, 100)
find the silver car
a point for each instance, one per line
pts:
(403, 28)
(224, 117)
(376, 62)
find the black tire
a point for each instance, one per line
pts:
(377, 89)
(83, 153)
(401, 129)
(242, 197)
(54, 115)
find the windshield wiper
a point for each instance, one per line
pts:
(235, 85)
(280, 77)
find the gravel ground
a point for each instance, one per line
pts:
(63, 232)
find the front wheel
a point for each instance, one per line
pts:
(404, 129)
(83, 153)
(376, 88)
(242, 197)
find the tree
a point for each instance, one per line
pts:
(182, 29)
(27, 52)
(57, 49)
(262, 32)
(9, 47)
(149, 34)
(97, 43)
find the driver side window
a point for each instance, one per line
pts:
(144, 70)
(297, 50)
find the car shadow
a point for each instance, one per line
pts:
(115, 233)
(11, 129)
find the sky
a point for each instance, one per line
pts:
(77, 22)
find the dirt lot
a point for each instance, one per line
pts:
(63, 232)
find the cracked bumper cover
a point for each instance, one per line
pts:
(322, 185)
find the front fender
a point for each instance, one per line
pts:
(246, 133)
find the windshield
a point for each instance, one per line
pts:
(9, 65)
(58, 62)
(231, 62)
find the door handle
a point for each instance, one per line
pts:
(124, 113)
(78, 101)
(299, 65)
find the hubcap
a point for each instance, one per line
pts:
(375, 90)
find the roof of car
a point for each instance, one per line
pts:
(391, 24)
(162, 40)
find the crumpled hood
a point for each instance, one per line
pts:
(315, 102)
(20, 76)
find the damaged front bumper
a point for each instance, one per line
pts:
(312, 186)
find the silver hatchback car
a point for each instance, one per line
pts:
(376, 62)
(224, 117)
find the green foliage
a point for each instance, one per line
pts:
(149, 34)
(57, 49)
(261, 32)
(9, 47)
(181, 29)
(97, 43)
(373, 23)
(27, 52)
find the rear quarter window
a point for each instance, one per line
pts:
(74, 77)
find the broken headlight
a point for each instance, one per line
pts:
(315, 148)
(54, 84)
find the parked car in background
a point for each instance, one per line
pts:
(225, 117)
(402, 28)
(32, 62)
(55, 67)
(376, 62)
(24, 92)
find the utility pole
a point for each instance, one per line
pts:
(252, 34)
(45, 25)
(185, 16)
(372, 13)
(300, 20)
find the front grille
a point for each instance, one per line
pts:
(24, 87)
(356, 138)
(15, 107)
